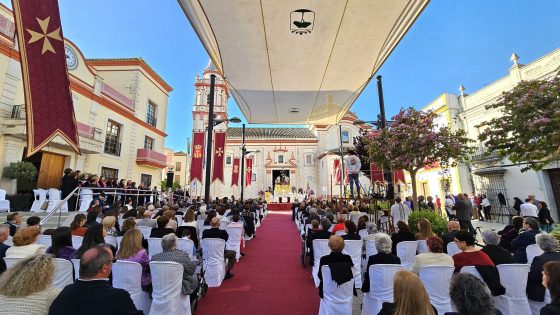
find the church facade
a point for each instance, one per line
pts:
(283, 158)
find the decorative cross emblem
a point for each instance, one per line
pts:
(236, 169)
(220, 151)
(248, 170)
(197, 151)
(36, 36)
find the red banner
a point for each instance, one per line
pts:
(218, 158)
(235, 172)
(248, 171)
(48, 101)
(337, 171)
(197, 156)
(399, 176)
(376, 173)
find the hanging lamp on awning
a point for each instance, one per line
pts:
(299, 62)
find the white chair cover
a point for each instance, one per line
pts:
(63, 273)
(86, 196)
(167, 298)
(213, 261)
(514, 278)
(320, 249)
(422, 247)
(363, 233)
(179, 219)
(45, 240)
(127, 275)
(452, 249)
(187, 246)
(381, 287)
(154, 245)
(121, 221)
(354, 249)
(234, 240)
(146, 230)
(536, 306)
(472, 270)
(370, 251)
(355, 218)
(4, 204)
(111, 240)
(337, 299)
(407, 253)
(11, 261)
(76, 265)
(200, 226)
(40, 196)
(533, 251)
(436, 280)
(9, 241)
(77, 241)
(54, 200)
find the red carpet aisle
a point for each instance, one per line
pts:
(279, 206)
(269, 279)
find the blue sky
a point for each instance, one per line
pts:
(453, 42)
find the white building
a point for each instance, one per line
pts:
(305, 154)
(492, 174)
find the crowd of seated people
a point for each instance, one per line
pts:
(95, 227)
(468, 293)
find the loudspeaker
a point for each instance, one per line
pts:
(169, 179)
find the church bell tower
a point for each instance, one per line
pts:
(221, 96)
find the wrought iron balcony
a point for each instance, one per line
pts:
(482, 154)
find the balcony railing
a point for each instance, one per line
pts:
(16, 112)
(117, 96)
(151, 158)
(482, 153)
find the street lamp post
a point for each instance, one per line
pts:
(209, 139)
(390, 194)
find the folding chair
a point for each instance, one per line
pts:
(167, 298)
(337, 299)
(381, 287)
(514, 278)
(127, 275)
(436, 280)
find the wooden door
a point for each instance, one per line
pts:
(51, 171)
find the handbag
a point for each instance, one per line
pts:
(45, 205)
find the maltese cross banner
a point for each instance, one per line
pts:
(48, 101)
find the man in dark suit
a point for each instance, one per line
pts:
(215, 232)
(161, 230)
(497, 254)
(67, 184)
(92, 293)
(4, 233)
(525, 238)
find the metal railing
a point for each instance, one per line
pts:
(116, 193)
(16, 112)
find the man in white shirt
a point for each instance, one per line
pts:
(528, 209)
(399, 212)
(449, 203)
(353, 167)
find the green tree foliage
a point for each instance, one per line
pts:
(439, 224)
(174, 187)
(413, 140)
(528, 129)
(20, 170)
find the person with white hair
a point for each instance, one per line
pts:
(171, 253)
(497, 253)
(383, 244)
(549, 244)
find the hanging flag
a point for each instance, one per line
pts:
(235, 172)
(218, 158)
(48, 101)
(399, 176)
(376, 173)
(248, 171)
(197, 156)
(337, 171)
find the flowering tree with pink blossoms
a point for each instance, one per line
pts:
(413, 140)
(528, 131)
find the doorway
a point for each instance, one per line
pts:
(50, 171)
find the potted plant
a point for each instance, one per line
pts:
(20, 172)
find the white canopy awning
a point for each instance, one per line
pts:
(299, 62)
